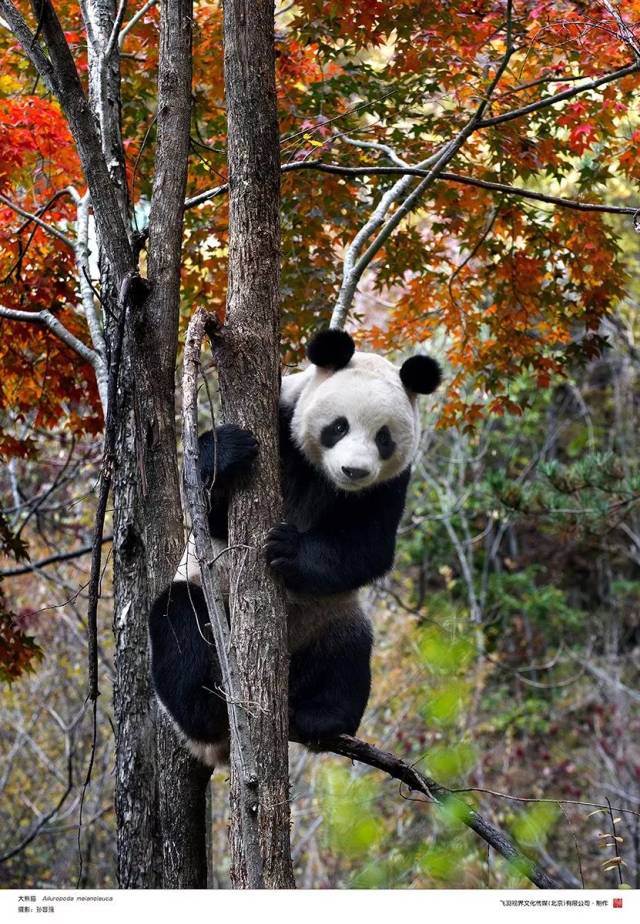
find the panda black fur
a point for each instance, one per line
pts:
(349, 428)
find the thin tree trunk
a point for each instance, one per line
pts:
(249, 379)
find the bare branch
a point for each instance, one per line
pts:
(355, 172)
(558, 801)
(113, 38)
(356, 749)
(46, 319)
(50, 229)
(574, 204)
(376, 146)
(51, 560)
(207, 194)
(81, 248)
(135, 19)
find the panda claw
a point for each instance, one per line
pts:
(278, 563)
(281, 546)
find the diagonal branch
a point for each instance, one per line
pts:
(561, 97)
(46, 319)
(33, 217)
(135, 19)
(356, 749)
(51, 560)
(625, 32)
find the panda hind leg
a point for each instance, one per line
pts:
(330, 682)
(185, 670)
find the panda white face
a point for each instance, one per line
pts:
(358, 424)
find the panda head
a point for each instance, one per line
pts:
(355, 415)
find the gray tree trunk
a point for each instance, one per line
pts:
(249, 377)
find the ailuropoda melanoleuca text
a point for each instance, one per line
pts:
(349, 429)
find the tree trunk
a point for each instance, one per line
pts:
(249, 379)
(159, 787)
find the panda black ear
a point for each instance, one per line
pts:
(420, 374)
(331, 349)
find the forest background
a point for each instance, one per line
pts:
(508, 634)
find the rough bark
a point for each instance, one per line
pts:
(60, 71)
(104, 94)
(248, 364)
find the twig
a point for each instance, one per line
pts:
(614, 838)
(51, 560)
(28, 838)
(558, 801)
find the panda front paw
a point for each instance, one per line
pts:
(237, 448)
(281, 548)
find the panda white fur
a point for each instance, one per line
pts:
(349, 428)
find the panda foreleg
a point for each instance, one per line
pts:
(224, 458)
(228, 454)
(330, 681)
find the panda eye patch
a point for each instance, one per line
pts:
(385, 443)
(333, 432)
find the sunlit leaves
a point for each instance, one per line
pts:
(533, 825)
(349, 806)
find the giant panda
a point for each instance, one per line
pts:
(349, 428)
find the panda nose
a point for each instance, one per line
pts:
(355, 474)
